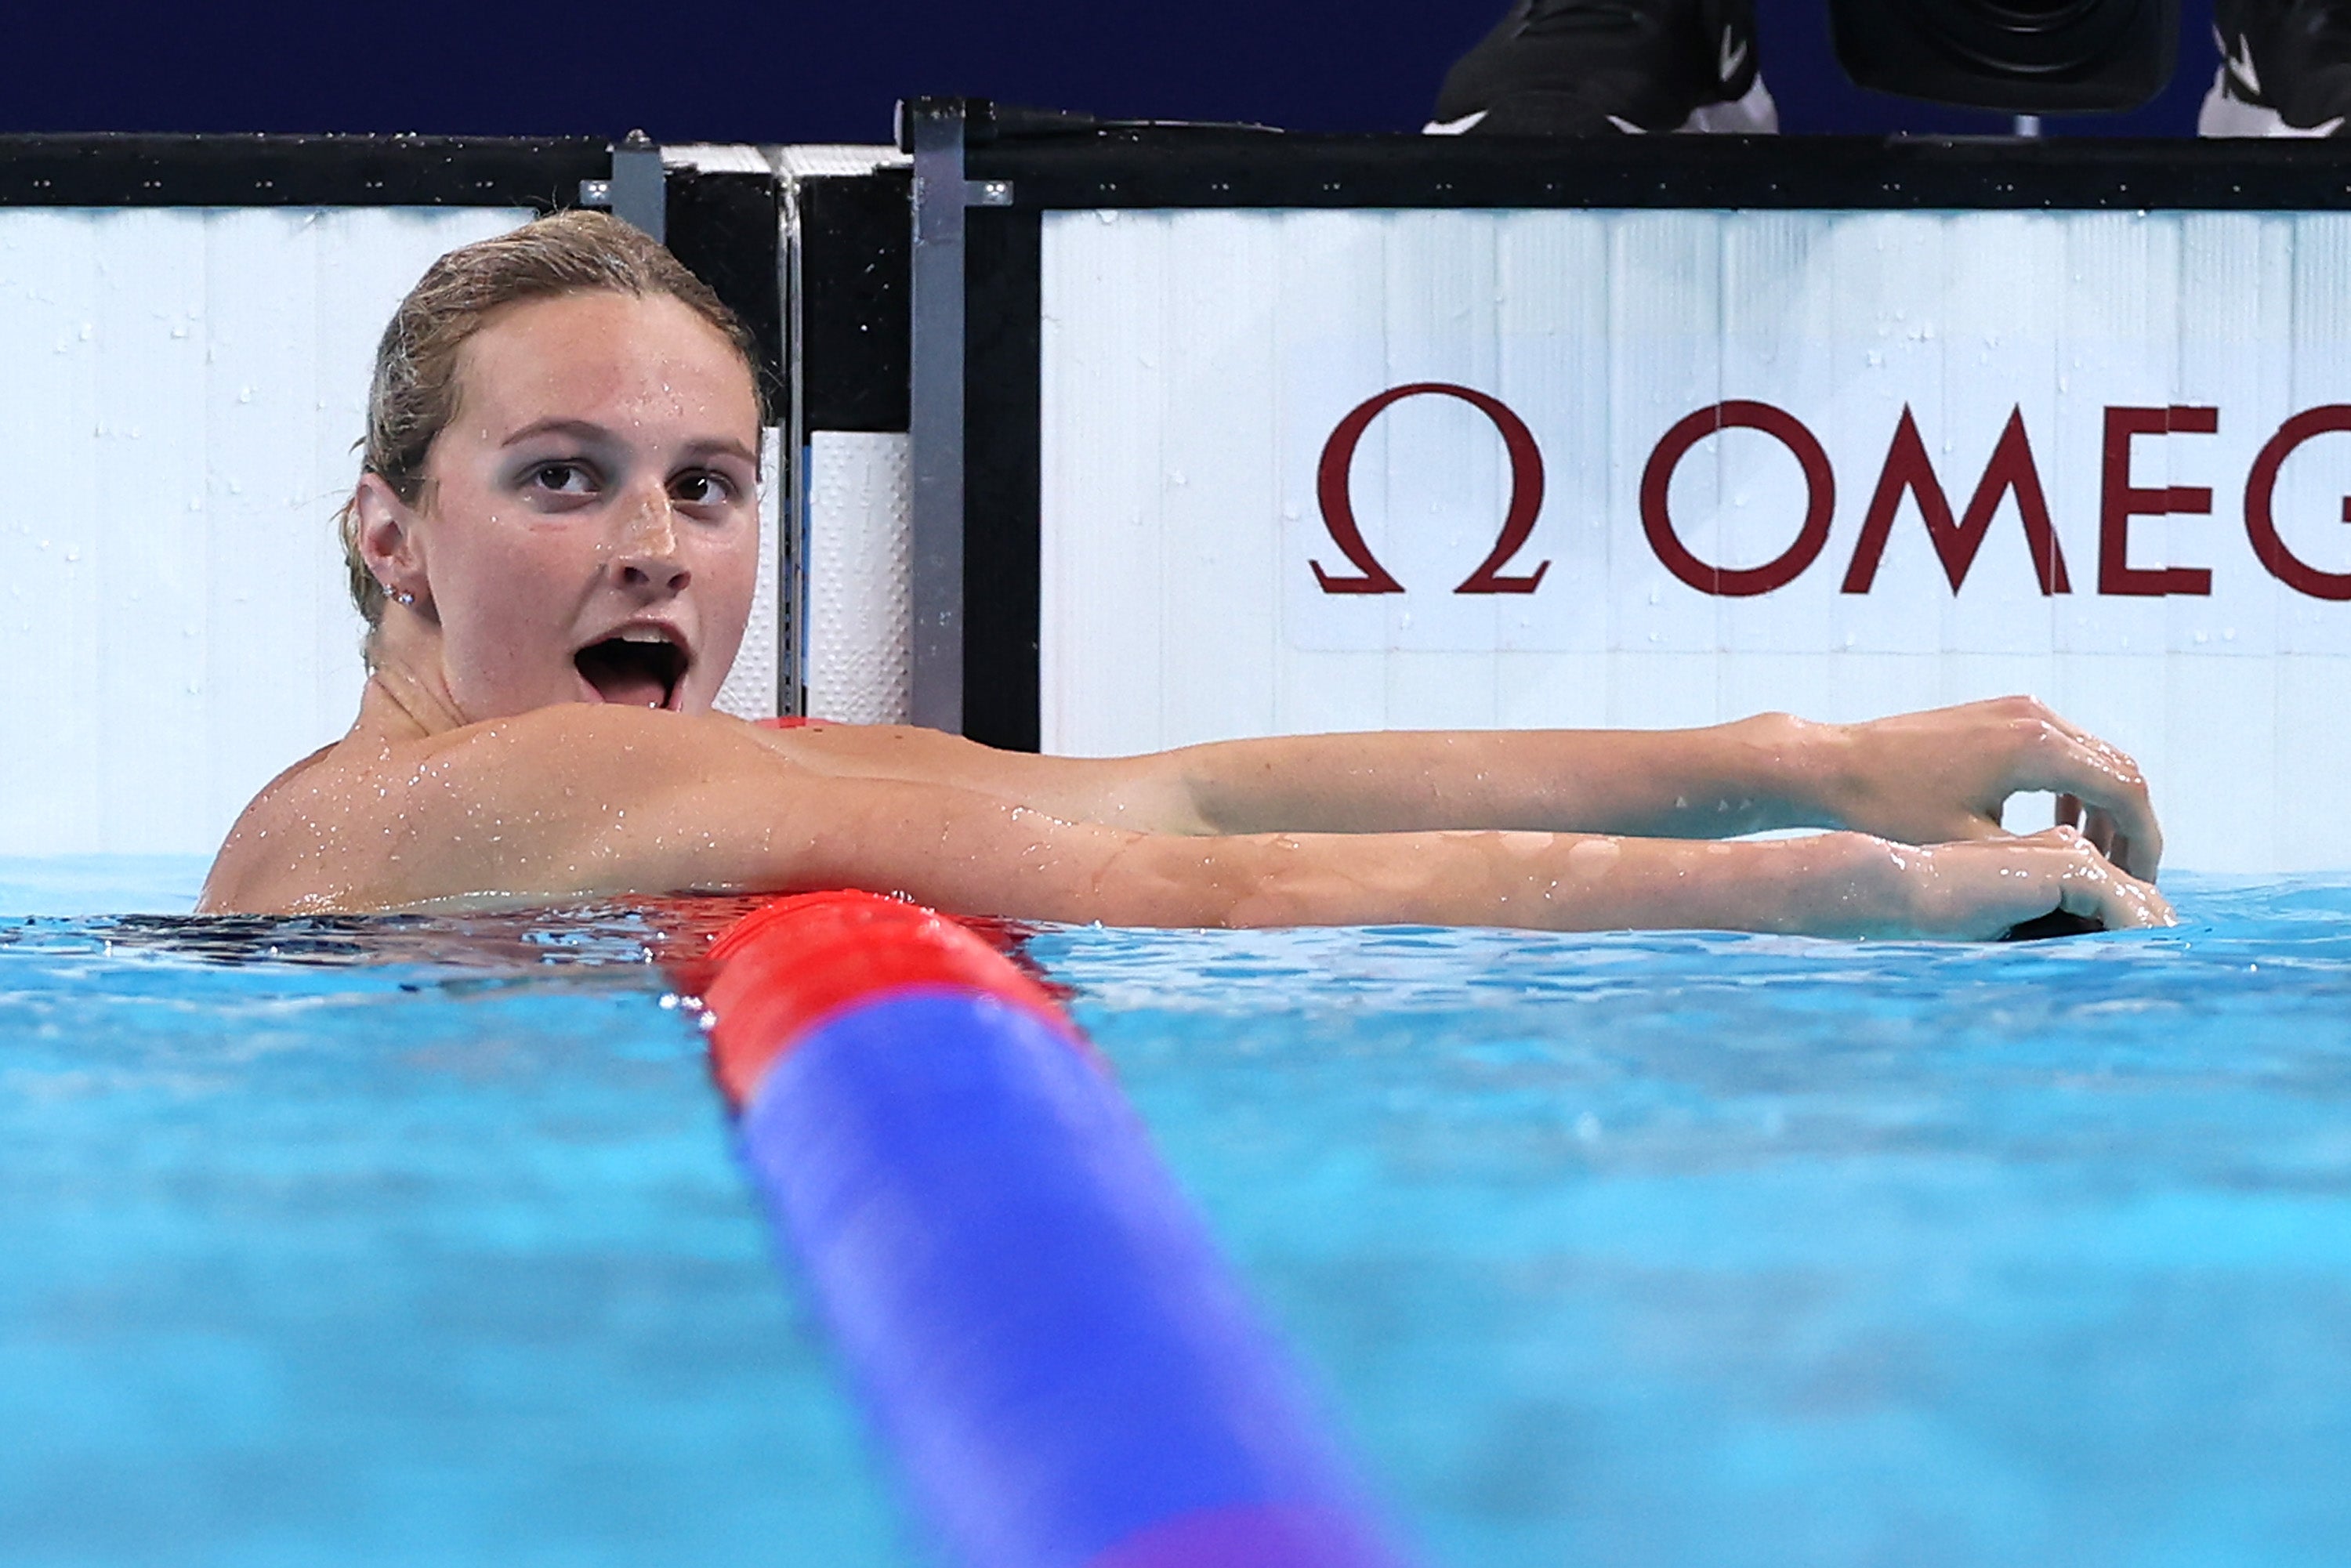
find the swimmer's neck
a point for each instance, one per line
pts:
(407, 696)
(396, 705)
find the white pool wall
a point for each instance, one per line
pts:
(183, 394)
(184, 389)
(1195, 364)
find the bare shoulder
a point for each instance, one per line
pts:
(282, 831)
(511, 810)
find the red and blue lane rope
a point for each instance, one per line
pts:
(1068, 1374)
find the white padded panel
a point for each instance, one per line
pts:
(860, 587)
(821, 159)
(1194, 363)
(180, 396)
(751, 685)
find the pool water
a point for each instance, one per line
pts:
(420, 1242)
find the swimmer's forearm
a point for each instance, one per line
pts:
(1826, 884)
(973, 853)
(1829, 884)
(1771, 771)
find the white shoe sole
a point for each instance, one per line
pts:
(2225, 114)
(1753, 115)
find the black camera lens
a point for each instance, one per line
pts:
(2052, 37)
(2027, 56)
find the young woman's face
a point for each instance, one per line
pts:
(590, 530)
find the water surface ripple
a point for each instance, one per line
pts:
(1715, 1249)
(418, 1241)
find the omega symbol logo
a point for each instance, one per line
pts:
(1336, 470)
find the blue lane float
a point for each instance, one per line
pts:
(1067, 1373)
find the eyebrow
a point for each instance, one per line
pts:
(588, 431)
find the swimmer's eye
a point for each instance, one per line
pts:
(703, 488)
(563, 478)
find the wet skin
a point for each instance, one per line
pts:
(582, 559)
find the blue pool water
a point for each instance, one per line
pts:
(420, 1242)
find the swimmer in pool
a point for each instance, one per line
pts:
(553, 541)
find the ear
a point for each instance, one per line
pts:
(388, 539)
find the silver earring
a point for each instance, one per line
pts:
(404, 596)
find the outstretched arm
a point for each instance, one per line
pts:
(585, 801)
(1928, 778)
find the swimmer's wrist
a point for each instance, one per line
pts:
(1850, 884)
(1803, 765)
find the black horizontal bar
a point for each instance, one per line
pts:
(111, 171)
(1165, 167)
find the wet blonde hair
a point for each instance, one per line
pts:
(415, 391)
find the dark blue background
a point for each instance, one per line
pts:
(738, 70)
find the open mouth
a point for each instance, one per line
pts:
(640, 669)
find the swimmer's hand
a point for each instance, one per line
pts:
(1984, 889)
(1943, 777)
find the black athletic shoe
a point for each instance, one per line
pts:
(2285, 68)
(1580, 67)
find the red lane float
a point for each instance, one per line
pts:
(783, 969)
(1067, 1373)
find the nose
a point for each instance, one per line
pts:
(649, 557)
